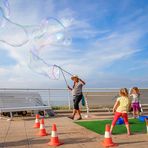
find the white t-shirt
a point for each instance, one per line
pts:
(135, 98)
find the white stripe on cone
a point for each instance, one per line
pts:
(107, 135)
(41, 126)
(146, 121)
(54, 134)
(36, 120)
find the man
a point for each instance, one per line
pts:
(77, 95)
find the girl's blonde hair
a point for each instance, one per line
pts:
(135, 89)
(123, 92)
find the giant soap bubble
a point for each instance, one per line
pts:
(49, 35)
(5, 12)
(11, 33)
(40, 66)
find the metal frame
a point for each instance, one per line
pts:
(49, 92)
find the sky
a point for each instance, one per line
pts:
(108, 48)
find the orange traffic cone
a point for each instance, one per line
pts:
(37, 122)
(42, 129)
(108, 140)
(146, 120)
(54, 137)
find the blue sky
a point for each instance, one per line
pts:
(109, 45)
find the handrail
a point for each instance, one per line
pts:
(60, 88)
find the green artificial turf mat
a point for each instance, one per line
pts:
(99, 126)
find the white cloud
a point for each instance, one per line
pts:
(88, 61)
(100, 55)
(2, 71)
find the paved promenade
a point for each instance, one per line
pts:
(21, 134)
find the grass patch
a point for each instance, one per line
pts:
(99, 126)
(60, 107)
(64, 108)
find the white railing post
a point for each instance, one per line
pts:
(49, 98)
(69, 104)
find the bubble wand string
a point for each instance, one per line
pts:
(64, 70)
(64, 77)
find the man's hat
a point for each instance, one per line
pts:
(74, 76)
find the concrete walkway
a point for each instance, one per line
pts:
(21, 134)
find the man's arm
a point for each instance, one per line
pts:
(82, 81)
(69, 87)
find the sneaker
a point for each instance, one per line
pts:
(79, 118)
(70, 117)
(129, 134)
